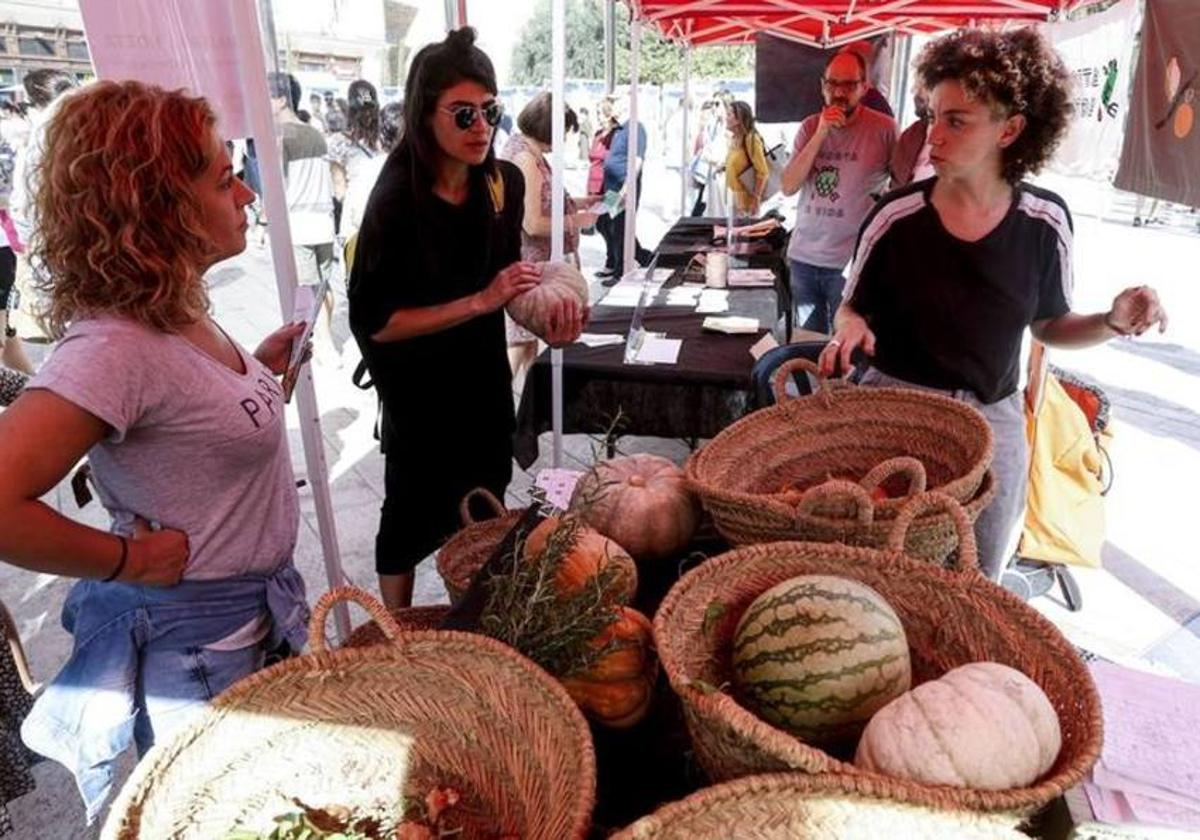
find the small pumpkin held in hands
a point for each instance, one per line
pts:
(982, 725)
(581, 563)
(560, 281)
(641, 501)
(617, 689)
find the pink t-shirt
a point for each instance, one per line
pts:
(850, 169)
(194, 445)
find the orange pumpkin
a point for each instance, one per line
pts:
(617, 690)
(641, 501)
(591, 552)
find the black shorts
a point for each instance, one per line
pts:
(8, 277)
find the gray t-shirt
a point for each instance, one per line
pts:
(309, 184)
(194, 445)
(850, 169)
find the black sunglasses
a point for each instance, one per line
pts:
(465, 115)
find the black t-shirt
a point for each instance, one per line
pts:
(951, 314)
(455, 385)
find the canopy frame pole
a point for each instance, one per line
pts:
(271, 168)
(685, 176)
(631, 155)
(557, 221)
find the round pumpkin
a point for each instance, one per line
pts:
(641, 501)
(983, 725)
(560, 281)
(590, 553)
(817, 655)
(617, 689)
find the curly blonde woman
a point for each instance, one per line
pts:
(193, 582)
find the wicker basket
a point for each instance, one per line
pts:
(466, 552)
(951, 617)
(855, 434)
(790, 806)
(360, 727)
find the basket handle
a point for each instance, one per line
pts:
(934, 501)
(783, 373)
(838, 488)
(464, 507)
(377, 611)
(905, 465)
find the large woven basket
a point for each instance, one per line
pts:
(365, 726)
(951, 617)
(843, 432)
(466, 552)
(791, 806)
(406, 618)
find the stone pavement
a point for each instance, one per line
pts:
(1144, 606)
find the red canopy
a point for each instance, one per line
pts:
(831, 23)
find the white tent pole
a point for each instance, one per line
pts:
(262, 126)
(631, 135)
(558, 69)
(685, 157)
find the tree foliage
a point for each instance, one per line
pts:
(660, 60)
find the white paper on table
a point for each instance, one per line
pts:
(713, 301)
(1151, 729)
(627, 296)
(731, 324)
(599, 339)
(683, 295)
(660, 276)
(751, 277)
(659, 351)
(764, 344)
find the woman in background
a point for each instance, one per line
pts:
(746, 151)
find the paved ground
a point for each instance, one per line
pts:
(1144, 606)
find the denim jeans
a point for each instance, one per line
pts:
(998, 528)
(816, 294)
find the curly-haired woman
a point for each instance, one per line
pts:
(950, 271)
(184, 429)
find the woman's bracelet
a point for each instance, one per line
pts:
(1108, 323)
(120, 563)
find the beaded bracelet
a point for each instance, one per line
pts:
(120, 563)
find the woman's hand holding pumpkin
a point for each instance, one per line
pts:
(509, 282)
(566, 322)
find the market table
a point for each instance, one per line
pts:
(707, 388)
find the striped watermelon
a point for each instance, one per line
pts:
(817, 655)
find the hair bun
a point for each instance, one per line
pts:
(462, 38)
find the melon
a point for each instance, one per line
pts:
(982, 725)
(817, 655)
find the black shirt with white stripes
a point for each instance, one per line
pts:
(951, 314)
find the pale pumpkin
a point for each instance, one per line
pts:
(590, 553)
(641, 501)
(559, 281)
(617, 689)
(982, 725)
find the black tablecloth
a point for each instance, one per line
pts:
(706, 390)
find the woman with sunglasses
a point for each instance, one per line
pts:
(950, 271)
(438, 256)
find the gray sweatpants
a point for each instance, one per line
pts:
(998, 529)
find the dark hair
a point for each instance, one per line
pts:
(285, 86)
(1014, 72)
(536, 118)
(434, 68)
(46, 85)
(362, 119)
(391, 125)
(744, 114)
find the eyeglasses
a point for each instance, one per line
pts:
(465, 115)
(838, 84)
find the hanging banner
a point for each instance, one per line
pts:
(174, 45)
(1161, 155)
(1098, 50)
